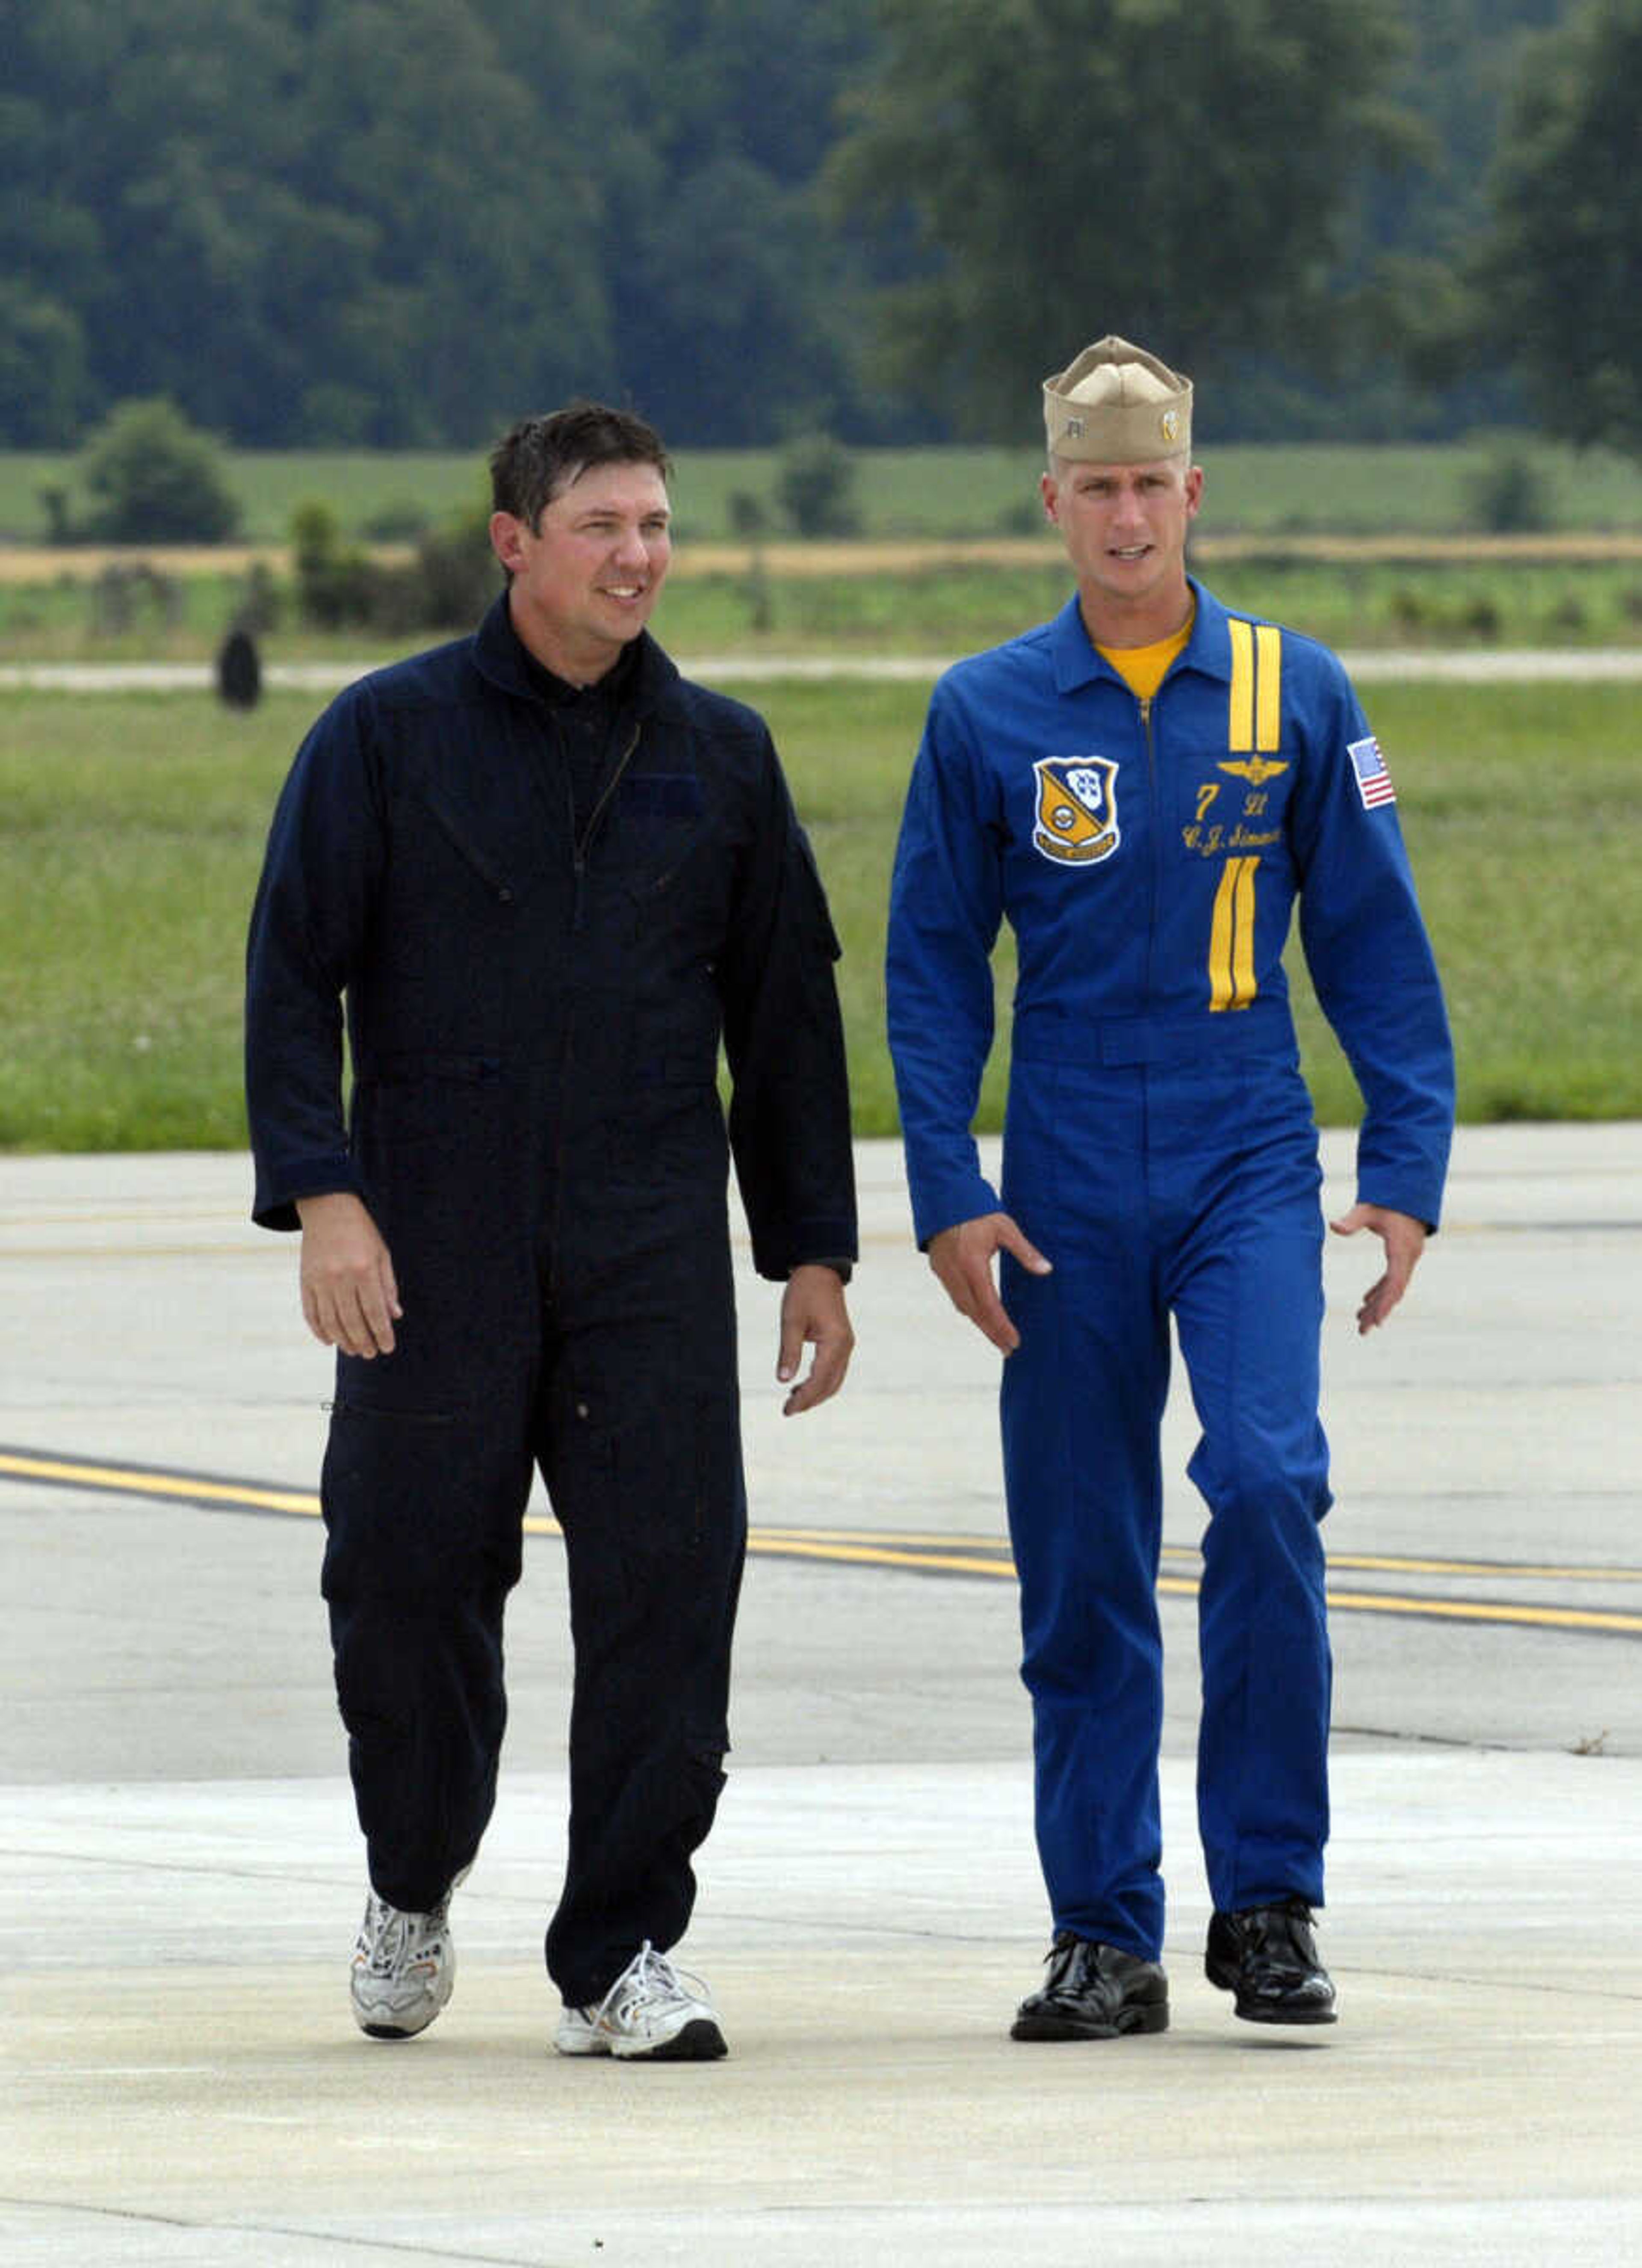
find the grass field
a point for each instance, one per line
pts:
(941, 609)
(131, 832)
(946, 492)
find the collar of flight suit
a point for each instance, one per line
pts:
(498, 657)
(1077, 661)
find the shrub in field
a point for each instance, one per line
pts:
(156, 478)
(334, 579)
(1568, 617)
(1021, 515)
(814, 478)
(54, 502)
(1507, 496)
(456, 574)
(746, 514)
(750, 520)
(238, 670)
(121, 596)
(448, 585)
(399, 522)
(261, 603)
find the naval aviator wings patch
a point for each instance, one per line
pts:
(1077, 816)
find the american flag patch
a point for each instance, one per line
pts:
(1374, 781)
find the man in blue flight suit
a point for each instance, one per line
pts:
(547, 875)
(1143, 787)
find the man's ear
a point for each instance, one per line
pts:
(507, 540)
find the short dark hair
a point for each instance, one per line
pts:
(541, 456)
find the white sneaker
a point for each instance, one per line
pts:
(654, 2011)
(404, 1966)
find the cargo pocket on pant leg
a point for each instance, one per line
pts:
(418, 1504)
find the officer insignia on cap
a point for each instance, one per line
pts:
(1117, 405)
(1077, 823)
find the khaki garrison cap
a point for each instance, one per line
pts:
(1117, 405)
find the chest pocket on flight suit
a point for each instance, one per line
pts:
(660, 819)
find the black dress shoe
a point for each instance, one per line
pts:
(1094, 1992)
(1267, 1956)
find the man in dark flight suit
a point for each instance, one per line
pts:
(547, 875)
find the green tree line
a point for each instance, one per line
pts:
(342, 222)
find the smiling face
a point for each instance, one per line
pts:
(1124, 529)
(585, 579)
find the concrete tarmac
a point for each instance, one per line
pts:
(179, 2079)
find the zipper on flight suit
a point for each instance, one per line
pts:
(580, 846)
(1145, 701)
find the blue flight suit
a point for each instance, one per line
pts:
(542, 922)
(1160, 1149)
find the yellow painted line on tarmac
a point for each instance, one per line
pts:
(1483, 1610)
(782, 1543)
(1369, 1563)
(127, 1480)
(1380, 1562)
(97, 1216)
(96, 1255)
(1411, 1605)
(926, 1541)
(938, 1554)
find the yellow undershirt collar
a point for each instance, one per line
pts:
(1143, 668)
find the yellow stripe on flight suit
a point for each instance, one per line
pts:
(1239, 732)
(1232, 937)
(1268, 688)
(1254, 722)
(1254, 727)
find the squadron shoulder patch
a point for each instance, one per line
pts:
(1077, 820)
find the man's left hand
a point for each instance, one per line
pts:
(813, 1312)
(1404, 1239)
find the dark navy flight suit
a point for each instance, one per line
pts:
(543, 911)
(1160, 1149)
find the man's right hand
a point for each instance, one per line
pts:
(350, 1299)
(961, 1256)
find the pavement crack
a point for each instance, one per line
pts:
(1405, 1739)
(133, 2217)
